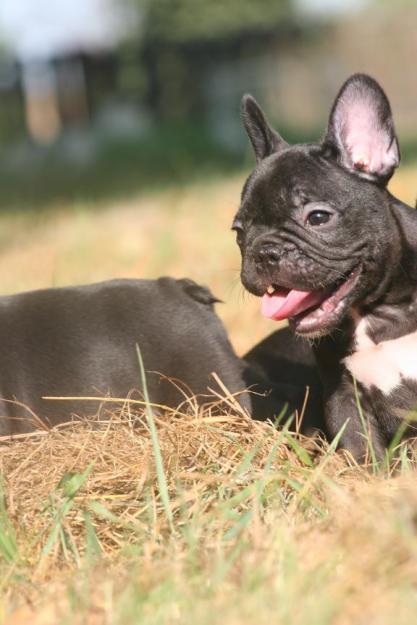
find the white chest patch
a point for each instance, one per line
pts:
(383, 365)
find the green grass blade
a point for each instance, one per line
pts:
(93, 546)
(393, 446)
(8, 545)
(248, 457)
(281, 416)
(160, 473)
(238, 527)
(405, 462)
(335, 442)
(302, 453)
(55, 532)
(366, 434)
(70, 484)
(101, 511)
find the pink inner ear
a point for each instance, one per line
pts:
(368, 145)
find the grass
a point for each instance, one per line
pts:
(255, 530)
(197, 518)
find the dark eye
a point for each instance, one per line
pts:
(318, 218)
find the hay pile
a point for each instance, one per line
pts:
(237, 498)
(104, 472)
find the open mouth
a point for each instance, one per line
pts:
(309, 312)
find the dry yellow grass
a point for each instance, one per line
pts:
(267, 527)
(265, 524)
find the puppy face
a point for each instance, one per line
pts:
(314, 226)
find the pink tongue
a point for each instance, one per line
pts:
(284, 304)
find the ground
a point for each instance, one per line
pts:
(216, 519)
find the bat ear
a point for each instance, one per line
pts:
(361, 130)
(265, 141)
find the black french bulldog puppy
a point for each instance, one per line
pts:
(326, 245)
(80, 341)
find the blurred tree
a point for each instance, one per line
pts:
(183, 40)
(213, 20)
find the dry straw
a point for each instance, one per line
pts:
(115, 481)
(89, 491)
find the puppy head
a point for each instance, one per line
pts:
(314, 225)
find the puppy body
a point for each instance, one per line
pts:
(318, 227)
(288, 362)
(81, 341)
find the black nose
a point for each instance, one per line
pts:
(267, 255)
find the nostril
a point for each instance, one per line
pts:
(268, 254)
(273, 256)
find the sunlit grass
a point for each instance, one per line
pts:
(256, 528)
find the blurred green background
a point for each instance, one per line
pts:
(108, 98)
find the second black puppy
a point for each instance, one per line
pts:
(328, 247)
(80, 341)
